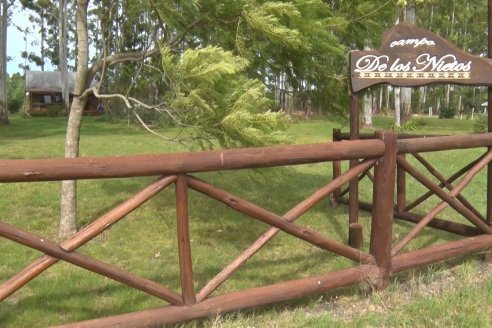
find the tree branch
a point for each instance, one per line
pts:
(120, 58)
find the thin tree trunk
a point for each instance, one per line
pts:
(4, 113)
(368, 110)
(406, 93)
(68, 219)
(62, 54)
(42, 41)
(397, 107)
(423, 99)
(380, 100)
(448, 95)
(386, 104)
(368, 98)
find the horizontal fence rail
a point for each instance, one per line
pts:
(25, 170)
(420, 145)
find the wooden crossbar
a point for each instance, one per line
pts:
(451, 179)
(448, 199)
(447, 184)
(290, 216)
(53, 249)
(243, 206)
(84, 235)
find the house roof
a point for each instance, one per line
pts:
(37, 81)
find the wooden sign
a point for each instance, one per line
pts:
(410, 56)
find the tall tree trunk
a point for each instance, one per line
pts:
(406, 93)
(62, 52)
(368, 110)
(459, 105)
(447, 98)
(397, 107)
(4, 113)
(422, 99)
(68, 219)
(42, 49)
(387, 95)
(380, 100)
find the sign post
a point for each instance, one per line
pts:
(489, 119)
(409, 57)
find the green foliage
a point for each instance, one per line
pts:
(265, 21)
(411, 125)
(15, 92)
(447, 112)
(210, 95)
(480, 124)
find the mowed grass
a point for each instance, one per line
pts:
(145, 243)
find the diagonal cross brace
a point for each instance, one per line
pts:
(53, 249)
(84, 235)
(243, 206)
(292, 215)
(448, 199)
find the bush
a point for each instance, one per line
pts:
(447, 112)
(408, 126)
(15, 92)
(14, 104)
(481, 124)
(51, 111)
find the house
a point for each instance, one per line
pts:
(44, 94)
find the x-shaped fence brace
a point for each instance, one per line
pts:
(66, 250)
(453, 198)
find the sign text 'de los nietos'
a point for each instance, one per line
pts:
(410, 56)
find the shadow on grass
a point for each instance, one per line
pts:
(40, 127)
(61, 306)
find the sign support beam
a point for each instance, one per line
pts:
(489, 108)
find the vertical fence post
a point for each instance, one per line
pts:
(354, 227)
(184, 246)
(401, 188)
(489, 115)
(488, 217)
(382, 214)
(337, 169)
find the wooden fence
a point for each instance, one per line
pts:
(384, 152)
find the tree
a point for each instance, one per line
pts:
(408, 13)
(4, 22)
(176, 35)
(211, 95)
(45, 15)
(15, 92)
(63, 53)
(68, 219)
(463, 23)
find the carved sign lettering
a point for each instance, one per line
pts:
(410, 56)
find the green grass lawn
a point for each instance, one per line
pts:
(145, 241)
